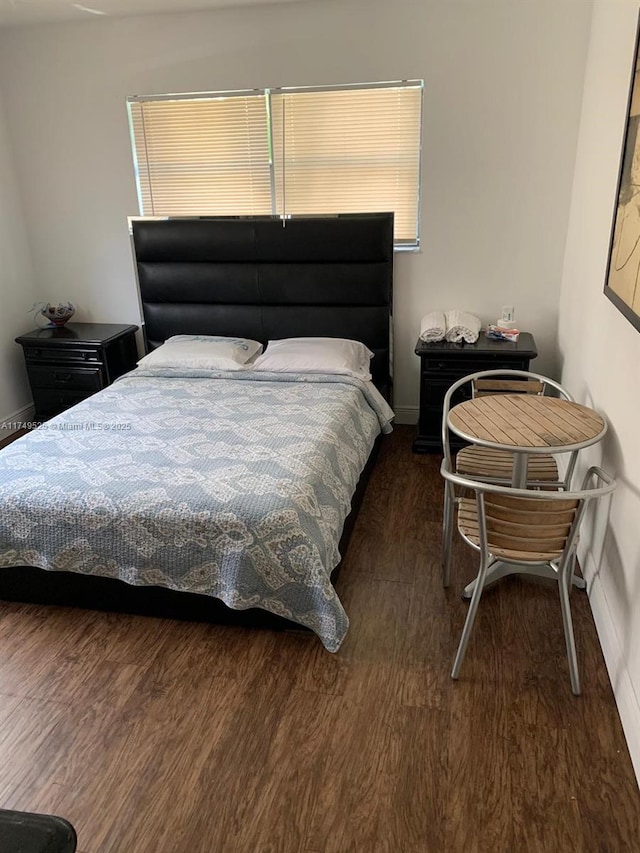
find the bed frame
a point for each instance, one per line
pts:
(259, 278)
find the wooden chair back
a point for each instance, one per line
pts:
(524, 525)
(528, 530)
(487, 387)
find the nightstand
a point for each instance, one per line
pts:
(68, 363)
(442, 363)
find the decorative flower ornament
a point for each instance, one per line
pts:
(57, 315)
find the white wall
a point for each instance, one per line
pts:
(601, 354)
(16, 292)
(502, 101)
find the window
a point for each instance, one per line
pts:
(346, 149)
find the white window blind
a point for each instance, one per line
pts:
(282, 152)
(202, 155)
(349, 150)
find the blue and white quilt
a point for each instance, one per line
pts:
(229, 484)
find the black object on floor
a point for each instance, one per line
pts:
(24, 832)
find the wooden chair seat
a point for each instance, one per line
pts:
(484, 462)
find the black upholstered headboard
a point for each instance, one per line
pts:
(254, 278)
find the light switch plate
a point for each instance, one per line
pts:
(508, 314)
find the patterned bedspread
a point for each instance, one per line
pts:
(234, 485)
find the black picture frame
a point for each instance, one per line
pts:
(622, 283)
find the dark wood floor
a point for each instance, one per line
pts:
(154, 736)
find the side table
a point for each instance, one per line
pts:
(68, 363)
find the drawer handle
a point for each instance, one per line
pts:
(62, 377)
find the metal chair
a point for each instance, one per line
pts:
(496, 466)
(525, 527)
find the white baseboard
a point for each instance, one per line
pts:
(16, 420)
(627, 700)
(406, 414)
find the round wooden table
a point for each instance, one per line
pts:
(525, 424)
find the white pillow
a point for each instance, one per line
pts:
(209, 352)
(316, 355)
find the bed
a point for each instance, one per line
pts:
(143, 514)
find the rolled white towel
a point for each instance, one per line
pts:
(462, 326)
(433, 326)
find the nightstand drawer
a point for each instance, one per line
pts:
(63, 377)
(432, 391)
(50, 403)
(47, 354)
(460, 367)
